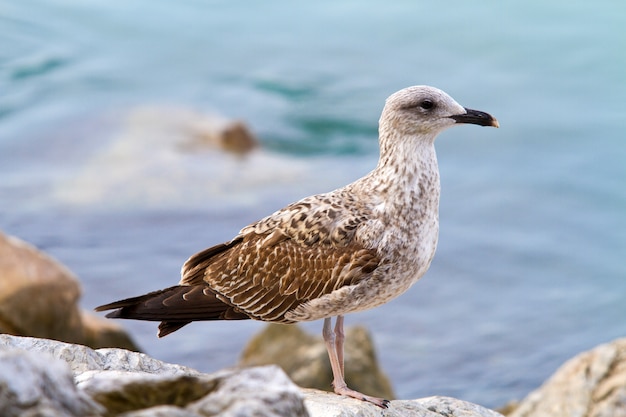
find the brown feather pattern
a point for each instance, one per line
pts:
(265, 281)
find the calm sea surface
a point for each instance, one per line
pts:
(531, 265)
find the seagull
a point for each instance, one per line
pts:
(330, 254)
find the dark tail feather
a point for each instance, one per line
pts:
(167, 327)
(174, 307)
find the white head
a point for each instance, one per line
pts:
(426, 111)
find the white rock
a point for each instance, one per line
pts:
(451, 407)
(81, 358)
(324, 404)
(162, 411)
(261, 391)
(137, 385)
(111, 382)
(32, 384)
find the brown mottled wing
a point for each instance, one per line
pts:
(265, 276)
(299, 253)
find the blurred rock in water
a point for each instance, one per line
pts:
(189, 130)
(39, 297)
(163, 156)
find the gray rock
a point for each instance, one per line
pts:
(37, 385)
(36, 380)
(82, 358)
(322, 404)
(592, 383)
(121, 382)
(123, 391)
(451, 407)
(261, 391)
(162, 411)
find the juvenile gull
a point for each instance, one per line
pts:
(329, 254)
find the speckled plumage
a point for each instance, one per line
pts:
(329, 254)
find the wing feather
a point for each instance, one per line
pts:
(300, 253)
(270, 281)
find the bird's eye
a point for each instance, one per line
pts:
(427, 104)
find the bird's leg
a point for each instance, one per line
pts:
(334, 341)
(339, 338)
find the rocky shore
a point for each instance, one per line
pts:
(40, 377)
(44, 377)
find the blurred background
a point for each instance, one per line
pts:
(530, 268)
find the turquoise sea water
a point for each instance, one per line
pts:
(530, 268)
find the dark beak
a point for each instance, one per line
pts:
(476, 117)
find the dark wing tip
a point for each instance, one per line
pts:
(174, 307)
(167, 327)
(134, 301)
(109, 306)
(116, 314)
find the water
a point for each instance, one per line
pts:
(530, 266)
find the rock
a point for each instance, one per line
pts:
(330, 405)
(35, 379)
(231, 136)
(304, 358)
(83, 359)
(125, 391)
(35, 385)
(191, 130)
(121, 381)
(162, 156)
(508, 408)
(259, 391)
(39, 297)
(451, 407)
(591, 384)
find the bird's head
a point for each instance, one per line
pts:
(424, 110)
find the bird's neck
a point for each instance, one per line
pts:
(403, 195)
(407, 172)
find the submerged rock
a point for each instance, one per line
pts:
(190, 130)
(36, 379)
(592, 383)
(39, 297)
(304, 358)
(164, 156)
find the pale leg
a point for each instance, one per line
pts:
(339, 338)
(333, 341)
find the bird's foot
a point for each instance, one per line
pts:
(344, 390)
